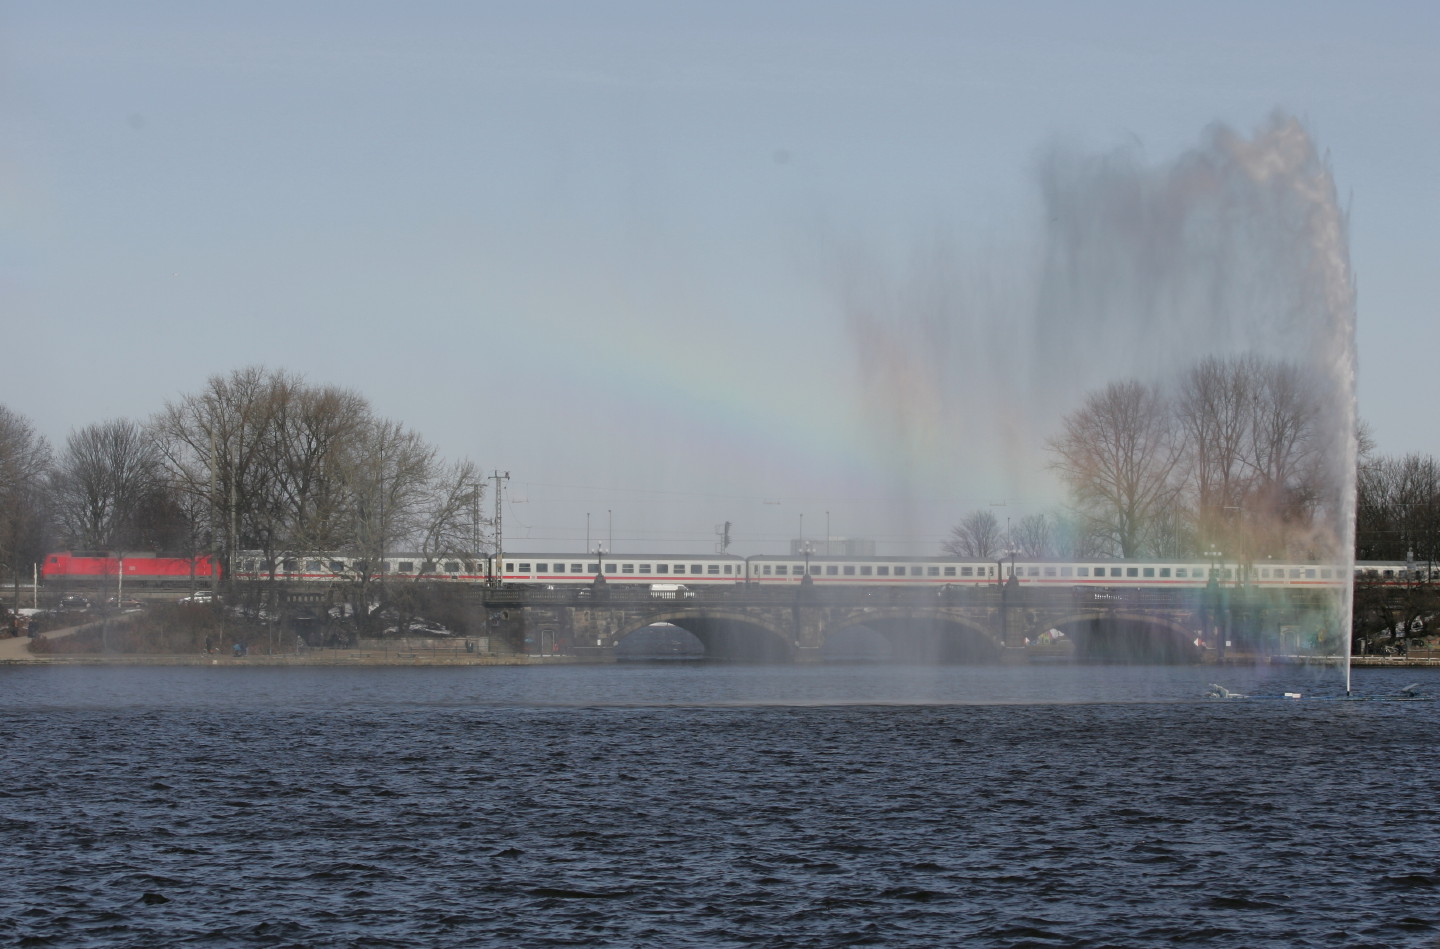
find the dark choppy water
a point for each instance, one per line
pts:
(704, 806)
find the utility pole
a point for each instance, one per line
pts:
(475, 524)
(498, 574)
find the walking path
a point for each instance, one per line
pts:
(18, 647)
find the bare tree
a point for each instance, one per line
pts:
(214, 444)
(451, 524)
(107, 476)
(977, 537)
(1398, 509)
(24, 461)
(1288, 483)
(1117, 454)
(1034, 537)
(1215, 409)
(311, 432)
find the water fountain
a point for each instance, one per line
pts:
(1231, 256)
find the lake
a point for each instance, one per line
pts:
(715, 805)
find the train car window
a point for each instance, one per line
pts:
(1295, 574)
(1049, 571)
(452, 566)
(1132, 571)
(865, 571)
(1310, 574)
(1164, 571)
(1326, 574)
(427, 567)
(815, 570)
(574, 568)
(832, 571)
(781, 570)
(1082, 571)
(967, 571)
(949, 571)
(407, 566)
(849, 571)
(644, 568)
(882, 571)
(765, 570)
(1148, 572)
(524, 568)
(542, 568)
(592, 568)
(932, 571)
(610, 570)
(727, 568)
(628, 568)
(1181, 572)
(1065, 571)
(714, 568)
(1032, 572)
(899, 571)
(1228, 573)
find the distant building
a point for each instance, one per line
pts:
(834, 547)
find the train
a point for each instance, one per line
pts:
(559, 570)
(139, 569)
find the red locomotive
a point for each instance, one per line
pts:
(139, 568)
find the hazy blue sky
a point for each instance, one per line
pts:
(615, 248)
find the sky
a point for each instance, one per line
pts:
(644, 256)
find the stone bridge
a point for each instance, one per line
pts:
(987, 625)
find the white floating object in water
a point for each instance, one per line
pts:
(1292, 695)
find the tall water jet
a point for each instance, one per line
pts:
(1229, 262)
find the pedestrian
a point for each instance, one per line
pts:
(32, 628)
(209, 646)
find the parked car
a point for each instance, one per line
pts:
(200, 596)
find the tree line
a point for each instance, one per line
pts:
(1233, 455)
(256, 460)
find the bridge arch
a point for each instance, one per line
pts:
(909, 635)
(731, 635)
(1119, 636)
